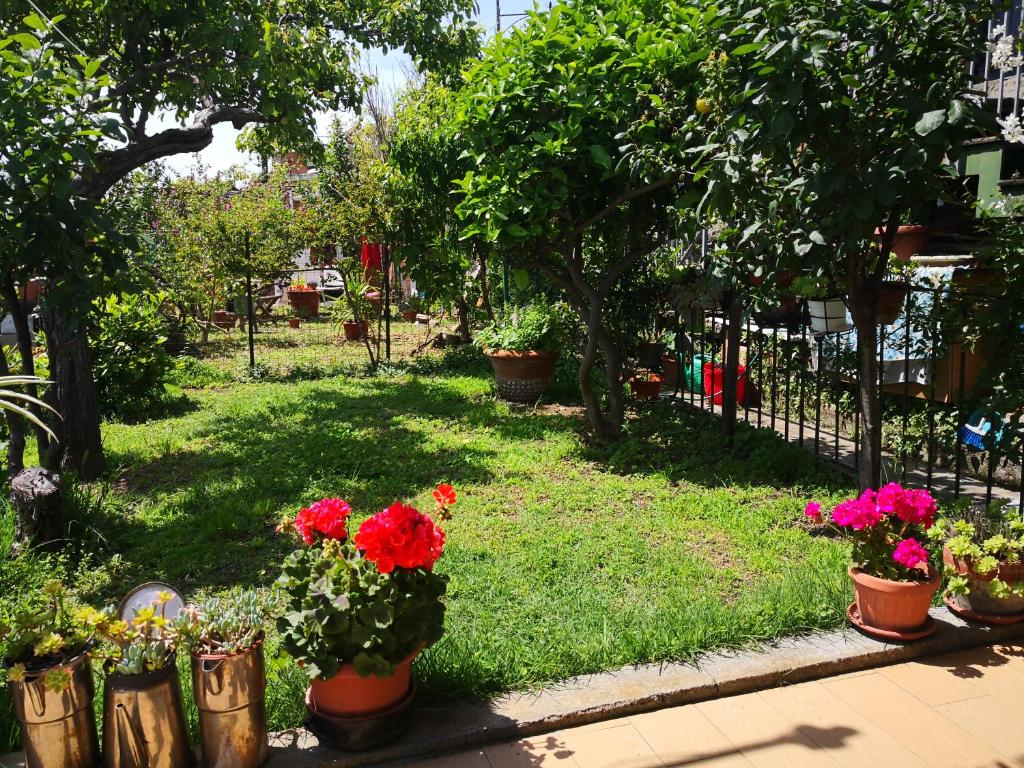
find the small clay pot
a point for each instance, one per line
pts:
(646, 387)
(356, 331)
(892, 299)
(293, 322)
(409, 315)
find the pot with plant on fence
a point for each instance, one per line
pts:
(47, 636)
(825, 306)
(893, 579)
(225, 637)
(983, 554)
(359, 610)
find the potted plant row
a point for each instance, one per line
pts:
(893, 579)
(51, 639)
(523, 348)
(359, 610)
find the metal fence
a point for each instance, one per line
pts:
(1001, 86)
(939, 429)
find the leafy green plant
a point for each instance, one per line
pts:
(816, 287)
(982, 540)
(372, 601)
(45, 630)
(129, 360)
(145, 644)
(535, 327)
(225, 624)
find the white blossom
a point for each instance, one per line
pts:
(1013, 131)
(1004, 50)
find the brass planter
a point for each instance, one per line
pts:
(229, 693)
(58, 730)
(143, 721)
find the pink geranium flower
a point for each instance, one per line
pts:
(910, 554)
(813, 511)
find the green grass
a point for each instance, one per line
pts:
(564, 558)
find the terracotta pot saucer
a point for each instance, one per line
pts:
(853, 615)
(363, 731)
(983, 618)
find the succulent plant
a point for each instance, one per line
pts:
(225, 624)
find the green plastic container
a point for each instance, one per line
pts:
(693, 377)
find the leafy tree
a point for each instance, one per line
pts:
(212, 232)
(267, 64)
(838, 117)
(583, 140)
(40, 80)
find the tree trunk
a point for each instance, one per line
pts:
(38, 517)
(463, 310)
(80, 448)
(730, 367)
(862, 308)
(615, 413)
(16, 427)
(485, 288)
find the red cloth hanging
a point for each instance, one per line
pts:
(371, 255)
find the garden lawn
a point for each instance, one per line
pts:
(564, 558)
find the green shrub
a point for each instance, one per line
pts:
(533, 327)
(130, 363)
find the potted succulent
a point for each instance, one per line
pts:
(824, 305)
(523, 348)
(359, 610)
(304, 299)
(892, 578)
(142, 705)
(983, 554)
(646, 385)
(225, 637)
(45, 639)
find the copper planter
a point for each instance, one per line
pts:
(58, 730)
(229, 693)
(143, 721)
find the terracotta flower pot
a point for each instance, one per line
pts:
(409, 315)
(646, 387)
(979, 604)
(305, 303)
(892, 298)
(522, 377)
(911, 239)
(897, 609)
(347, 694)
(356, 331)
(229, 693)
(293, 322)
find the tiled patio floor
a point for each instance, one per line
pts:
(963, 710)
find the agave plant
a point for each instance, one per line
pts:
(11, 398)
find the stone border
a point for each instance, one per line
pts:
(627, 691)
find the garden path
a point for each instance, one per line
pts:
(959, 710)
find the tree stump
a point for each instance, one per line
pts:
(38, 514)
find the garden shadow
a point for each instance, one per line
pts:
(218, 498)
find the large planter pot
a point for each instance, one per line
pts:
(143, 721)
(306, 304)
(828, 315)
(892, 298)
(979, 605)
(229, 693)
(910, 240)
(894, 610)
(356, 331)
(58, 730)
(409, 315)
(646, 387)
(224, 320)
(522, 377)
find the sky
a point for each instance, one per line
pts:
(222, 153)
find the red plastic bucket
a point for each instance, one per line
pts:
(714, 381)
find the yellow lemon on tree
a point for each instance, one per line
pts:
(703, 106)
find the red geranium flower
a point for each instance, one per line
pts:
(445, 495)
(327, 517)
(402, 537)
